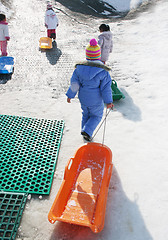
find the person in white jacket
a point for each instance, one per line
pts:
(105, 42)
(51, 22)
(4, 34)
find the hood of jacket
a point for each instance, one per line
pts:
(107, 35)
(97, 64)
(90, 69)
(50, 13)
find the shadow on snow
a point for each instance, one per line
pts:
(53, 54)
(4, 78)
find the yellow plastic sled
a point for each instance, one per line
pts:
(82, 196)
(45, 43)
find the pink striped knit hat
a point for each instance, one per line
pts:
(93, 51)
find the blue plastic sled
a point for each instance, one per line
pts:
(6, 65)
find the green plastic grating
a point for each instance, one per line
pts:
(28, 153)
(11, 209)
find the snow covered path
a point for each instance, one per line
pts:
(136, 132)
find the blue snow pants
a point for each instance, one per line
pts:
(91, 116)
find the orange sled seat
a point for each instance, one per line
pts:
(82, 196)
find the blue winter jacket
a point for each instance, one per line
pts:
(92, 82)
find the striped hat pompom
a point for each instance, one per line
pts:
(93, 51)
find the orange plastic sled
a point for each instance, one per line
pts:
(82, 196)
(45, 43)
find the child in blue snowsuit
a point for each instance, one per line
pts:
(93, 83)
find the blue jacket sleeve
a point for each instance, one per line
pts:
(74, 87)
(105, 88)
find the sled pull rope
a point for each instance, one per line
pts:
(104, 120)
(104, 127)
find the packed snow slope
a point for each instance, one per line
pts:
(136, 131)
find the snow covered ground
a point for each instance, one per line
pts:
(136, 131)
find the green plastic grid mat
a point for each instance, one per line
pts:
(28, 153)
(11, 209)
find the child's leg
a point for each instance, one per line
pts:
(51, 33)
(48, 32)
(95, 116)
(4, 48)
(85, 115)
(3, 45)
